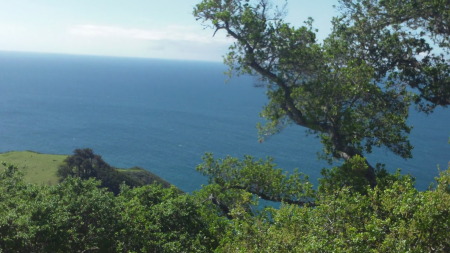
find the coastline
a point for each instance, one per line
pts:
(41, 168)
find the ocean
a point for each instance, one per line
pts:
(163, 115)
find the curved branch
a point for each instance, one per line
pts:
(289, 106)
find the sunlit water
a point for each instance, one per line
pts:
(164, 115)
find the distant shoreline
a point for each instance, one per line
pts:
(32, 151)
(60, 54)
(41, 168)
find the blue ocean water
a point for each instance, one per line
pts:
(164, 115)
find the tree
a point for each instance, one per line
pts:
(162, 220)
(77, 215)
(234, 182)
(73, 216)
(407, 43)
(397, 218)
(321, 87)
(14, 210)
(83, 164)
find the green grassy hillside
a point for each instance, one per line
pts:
(41, 168)
(37, 168)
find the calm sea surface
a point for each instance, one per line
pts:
(164, 115)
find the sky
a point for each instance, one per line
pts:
(129, 28)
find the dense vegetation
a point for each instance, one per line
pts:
(85, 164)
(353, 91)
(80, 216)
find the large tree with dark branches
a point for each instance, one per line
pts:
(351, 102)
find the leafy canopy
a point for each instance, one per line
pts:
(405, 42)
(321, 87)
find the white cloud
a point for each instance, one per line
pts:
(172, 33)
(171, 42)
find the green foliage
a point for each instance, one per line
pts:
(233, 182)
(350, 91)
(395, 219)
(84, 217)
(321, 87)
(143, 177)
(162, 220)
(350, 174)
(353, 175)
(406, 43)
(78, 216)
(85, 164)
(73, 216)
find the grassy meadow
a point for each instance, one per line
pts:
(37, 168)
(41, 168)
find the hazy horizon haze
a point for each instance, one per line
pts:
(135, 28)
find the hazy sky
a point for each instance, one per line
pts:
(134, 28)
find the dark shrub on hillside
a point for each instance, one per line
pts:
(85, 164)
